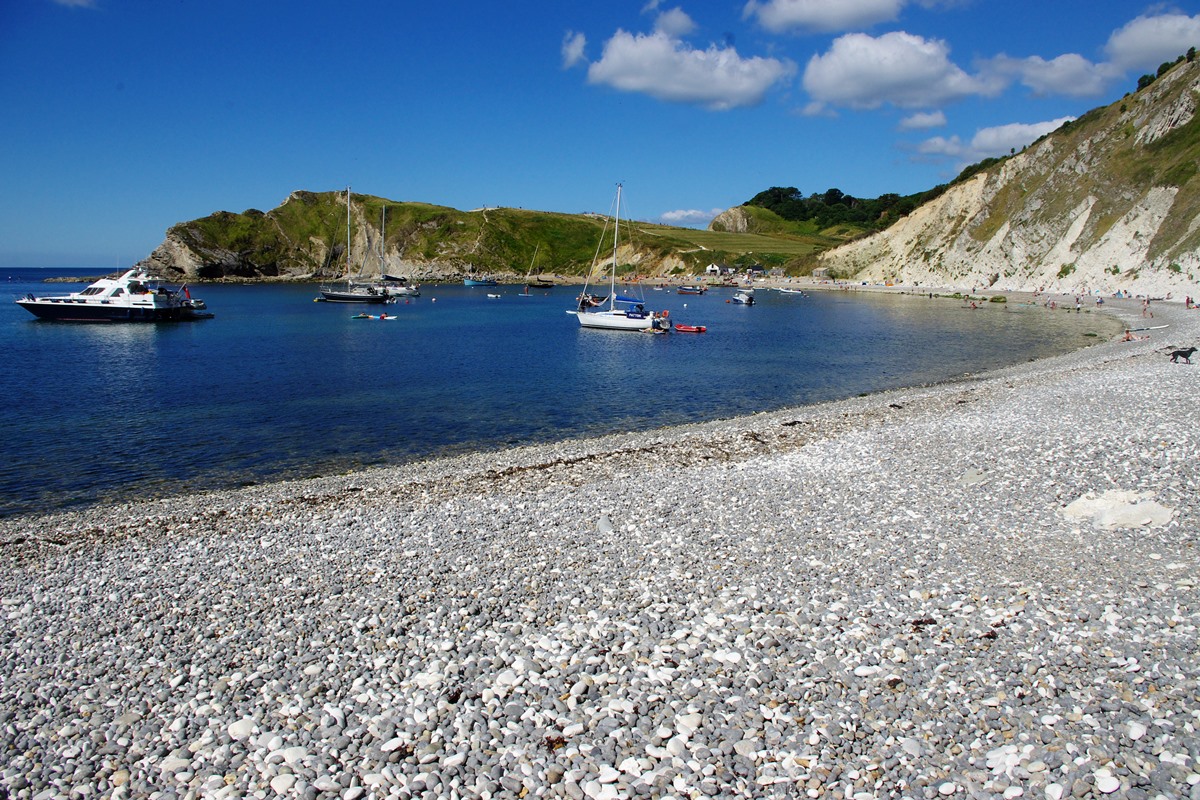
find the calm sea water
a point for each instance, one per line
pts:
(278, 386)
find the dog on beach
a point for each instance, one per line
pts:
(1185, 354)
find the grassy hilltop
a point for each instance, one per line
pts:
(305, 238)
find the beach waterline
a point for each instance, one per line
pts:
(775, 601)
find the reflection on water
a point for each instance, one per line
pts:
(278, 386)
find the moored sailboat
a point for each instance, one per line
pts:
(354, 292)
(622, 313)
(532, 282)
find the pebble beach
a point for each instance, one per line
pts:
(980, 589)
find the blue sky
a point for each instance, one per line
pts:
(121, 118)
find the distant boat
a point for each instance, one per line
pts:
(480, 282)
(692, 289)
(398, 287)
(744, 297)
(792, 291)
(395, 285)
(354, 292)
(132, 297)
(690, 328)
(633, 316)
(532, 282)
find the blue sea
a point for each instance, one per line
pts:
(278, 386)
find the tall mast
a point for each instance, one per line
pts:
(347, 234)
(612, 294)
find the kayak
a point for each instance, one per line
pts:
(690, 328)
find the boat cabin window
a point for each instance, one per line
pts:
(91, 290)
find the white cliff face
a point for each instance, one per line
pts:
(173, 259)
(1072, 213)
(733, 220)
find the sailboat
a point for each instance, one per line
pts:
(532, 282)
(632, 315)
(395, 285)
(354, 292)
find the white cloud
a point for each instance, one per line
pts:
(1148, 41)
(572, 49)
(923, 120)
(989, 142)
(831, 16)
(666, 68)
(1070, 74)
(821, 15)
(689, 218)
(675, 22)
(908, 71)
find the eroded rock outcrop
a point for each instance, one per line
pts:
(1110, 202)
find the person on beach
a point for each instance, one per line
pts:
(1146, 312)
(1129, 337)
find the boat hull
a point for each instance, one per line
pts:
(614, 321)
(479, 282)
(72, 311)
(354, 297)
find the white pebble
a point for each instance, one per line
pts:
(241, 729)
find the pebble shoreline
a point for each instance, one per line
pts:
(929, 592)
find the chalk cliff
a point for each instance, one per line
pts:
(1110, 201)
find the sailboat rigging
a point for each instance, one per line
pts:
(395, 285)
(632, 314)
(535, 283)
(354, 292)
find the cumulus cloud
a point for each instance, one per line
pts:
(674, 22)
(821, 15)
(988, 142)
(1070, 74)
(1148, 41)
(830, 16)
(689, 218)
(666, 68)
(908, 71)
(1142, 44)
(572, 49)
(923, 120)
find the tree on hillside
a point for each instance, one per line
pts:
(835, 207)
